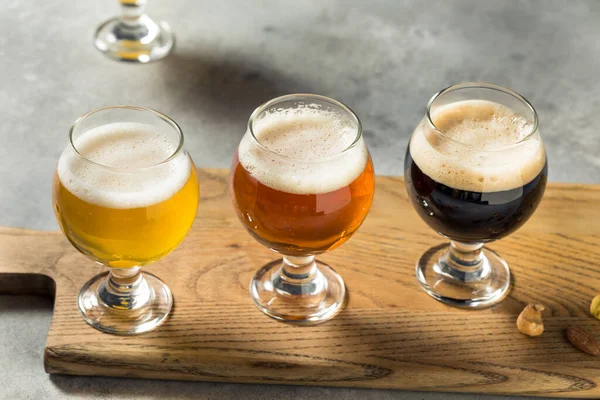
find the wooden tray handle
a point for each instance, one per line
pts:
(28, 260)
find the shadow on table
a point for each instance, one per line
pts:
(117, 388)
(228, 87)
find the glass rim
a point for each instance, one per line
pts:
(304, 96)
(158, 114)
(490, 86)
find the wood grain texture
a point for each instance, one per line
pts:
(391, 335)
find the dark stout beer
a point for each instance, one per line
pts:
(475, 176)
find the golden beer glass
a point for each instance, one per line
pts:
(302, 183)
(125, 194)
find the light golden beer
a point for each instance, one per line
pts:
(117, 199)
(312, 195)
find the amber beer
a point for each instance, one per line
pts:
(301, 183)
(118, 200)
(308, 223)
(291, 194)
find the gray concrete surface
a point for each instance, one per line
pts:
(382, 58)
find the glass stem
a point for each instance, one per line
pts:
(135, 26)
(133, 11)
(299, 276)
(464, 262)
(124, 289)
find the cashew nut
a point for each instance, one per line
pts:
(530, 320)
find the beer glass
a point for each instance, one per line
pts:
(125, 194)
(475, 171)
(301, 182)
(134, 36)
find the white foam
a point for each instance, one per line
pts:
(313, 139)
(135, 149)
(491, 166)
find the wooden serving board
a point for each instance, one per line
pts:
(391, 335)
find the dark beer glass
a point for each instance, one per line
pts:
(475, 171)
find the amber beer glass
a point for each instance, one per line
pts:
(301, 182)
(475, 171)
(125, 194)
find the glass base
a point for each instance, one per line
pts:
(478, 288)
(308, 299)
(122, 316)
(144, 42)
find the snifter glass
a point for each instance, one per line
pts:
(475, 171)
(125, 193)
(301, 182)
(134, 36)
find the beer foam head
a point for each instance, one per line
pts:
(304, 150)
(489, 155)
(127, 169)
